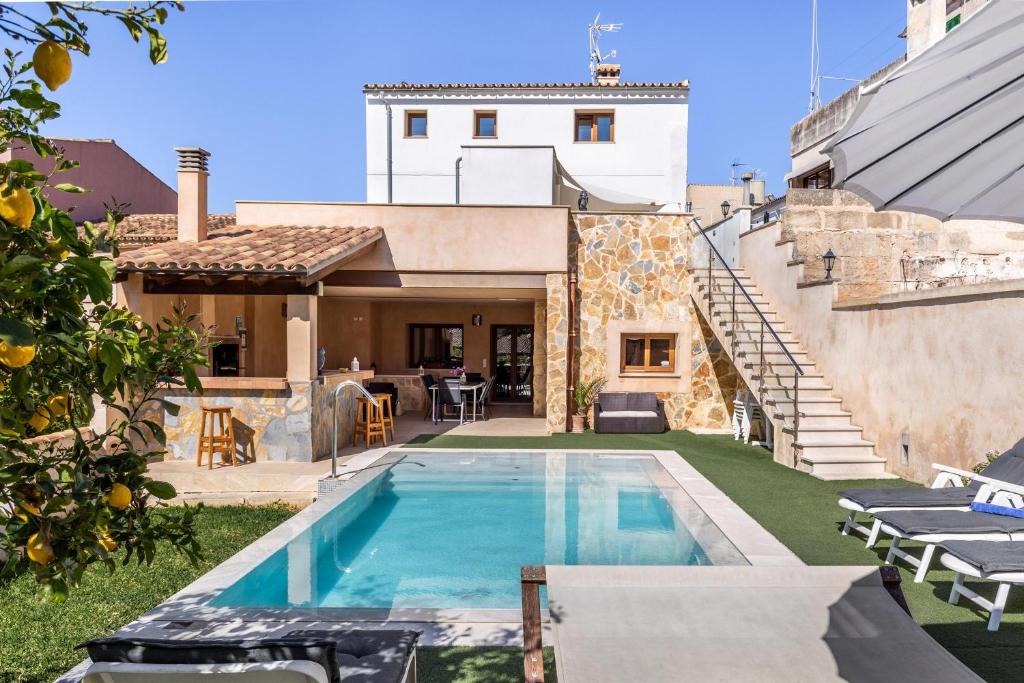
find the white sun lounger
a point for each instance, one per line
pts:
(1002, 562)
(937, 526)
(947, 492)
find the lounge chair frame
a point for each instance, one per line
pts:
(995, 607)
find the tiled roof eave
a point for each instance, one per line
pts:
(420, 87)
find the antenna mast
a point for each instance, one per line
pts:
(595, 29)
(814, 99)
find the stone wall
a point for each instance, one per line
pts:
(633, 276)
(891, 251)
(540, 357)
(557, 341)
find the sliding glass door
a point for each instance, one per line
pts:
(512, 362)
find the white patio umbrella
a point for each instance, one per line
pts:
(943, 135)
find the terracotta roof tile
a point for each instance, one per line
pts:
(519, 86)
(302, 251)
(147, 228)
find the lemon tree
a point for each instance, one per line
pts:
(67, 503)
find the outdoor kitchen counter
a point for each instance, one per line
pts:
(274, 419)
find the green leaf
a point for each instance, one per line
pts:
(16, 333)
(171, 407)
(160, 489)
(21, 263)
(68, 187)
(97, 275)
(157, 46)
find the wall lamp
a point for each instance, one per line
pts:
(725, 208)
(830, 262)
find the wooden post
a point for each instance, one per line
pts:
(532, 578)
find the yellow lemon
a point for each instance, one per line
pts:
(7, 431)
(17, 208)
(26, 509)
(39, 420)
(56, 249)
(109, 544)
(16, 356)
(52, 64)
(39, 549)
(58, 405)
(120, 496)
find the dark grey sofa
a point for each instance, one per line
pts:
(621, 412)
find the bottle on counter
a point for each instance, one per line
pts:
(355, 364)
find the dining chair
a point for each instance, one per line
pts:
(449, 394)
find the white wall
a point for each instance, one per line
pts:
(647, 158)
(507, 175)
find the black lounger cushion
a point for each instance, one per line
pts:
(369, 656)
(989, 556)
(320, 650)
(959, 496)
(913, 522)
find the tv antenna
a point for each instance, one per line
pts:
(814, 99)
(595, 29)
(736, 165)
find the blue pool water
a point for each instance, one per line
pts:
(452, 530)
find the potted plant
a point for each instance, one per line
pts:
(583, 395)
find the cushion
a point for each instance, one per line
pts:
(613, 401)
(1009, 466)
(369, 656)
(642, 401)
(320, 650)
(997, 509)
(913, 522)
(910, 497)
(613, 414)
(989, 556)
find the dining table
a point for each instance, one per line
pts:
(465, 387)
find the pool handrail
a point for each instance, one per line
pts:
(334, 414)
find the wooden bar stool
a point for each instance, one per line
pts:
(219, 439)
(369, 422)
(387, 412)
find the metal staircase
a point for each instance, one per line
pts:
(813, 431)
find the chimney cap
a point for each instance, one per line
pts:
(192, 159)
(608, 74)
(747, 175)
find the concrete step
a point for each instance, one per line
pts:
(830, 436)
(838, 420)
(843, 466)
(782, 376)
(784, 394)
(853, 449)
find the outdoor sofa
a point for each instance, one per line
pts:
(350, 656)
(619, 412)
(947, 492)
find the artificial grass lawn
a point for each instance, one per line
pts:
(801, 512)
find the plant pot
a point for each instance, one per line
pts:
(579, 424)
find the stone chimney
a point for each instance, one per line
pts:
(192, 178)
(748, 197)
(608, 74)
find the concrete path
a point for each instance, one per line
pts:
(760, 623)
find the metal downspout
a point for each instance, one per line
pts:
(570, 370)
(387, 107)
(458, 170)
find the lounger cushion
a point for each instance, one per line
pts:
(322, 651)
(913, 522)
(910, 497)
(989, 556)
(1009, 466)
(369, 656)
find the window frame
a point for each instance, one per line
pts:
(592, 114)
(647, 368)
(413, 328)
(413, 113)
(479, 114)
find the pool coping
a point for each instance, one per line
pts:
(187, 610)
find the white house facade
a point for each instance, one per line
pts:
(625, 143)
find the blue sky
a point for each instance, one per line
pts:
(273, 88)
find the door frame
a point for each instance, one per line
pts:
(516, 327)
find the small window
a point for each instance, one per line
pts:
(648, 353)
(435, 346)
(415, 124)
(595, 127)
(485, 124)
(818, 179)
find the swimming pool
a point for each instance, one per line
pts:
(443, 530)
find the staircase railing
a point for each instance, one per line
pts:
(732, 314)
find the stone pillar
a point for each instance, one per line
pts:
(301, 337)
(540, 357)
(557, 325)
(207, 318)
